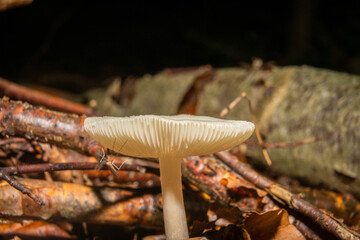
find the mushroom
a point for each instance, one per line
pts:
(169, 139)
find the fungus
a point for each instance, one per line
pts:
(169, 139)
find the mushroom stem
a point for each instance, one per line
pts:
(173, 202)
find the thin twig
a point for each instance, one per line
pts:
(226, 110)
(5, 175)
(231, 105)
(126, 164)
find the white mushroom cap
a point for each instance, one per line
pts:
(175, 136)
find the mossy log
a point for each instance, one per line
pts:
(291, 104)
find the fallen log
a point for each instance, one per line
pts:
(291, 104)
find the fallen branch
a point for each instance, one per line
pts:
(287, 198)
(43, 99)
(65, 130)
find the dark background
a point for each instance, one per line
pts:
(74, 45)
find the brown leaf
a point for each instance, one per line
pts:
(233, 215)
(273, 225)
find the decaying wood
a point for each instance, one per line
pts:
(285, 197)
(14, 90)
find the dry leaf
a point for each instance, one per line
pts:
(273, 225)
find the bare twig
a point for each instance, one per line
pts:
(4, 175)
(226, 110)
(285, 197)
(231, 105)
(49, 167)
